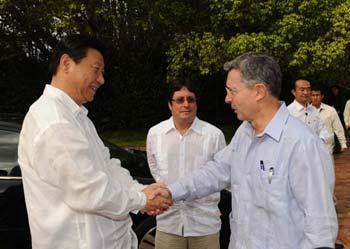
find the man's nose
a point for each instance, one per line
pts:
(101, 79)
(228, 99)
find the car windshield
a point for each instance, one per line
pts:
(8, 151)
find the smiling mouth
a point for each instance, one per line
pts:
(94, 88)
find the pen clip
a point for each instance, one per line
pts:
(271, 172)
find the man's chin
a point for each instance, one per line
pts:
(239, 116)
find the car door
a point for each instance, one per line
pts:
(14, 228)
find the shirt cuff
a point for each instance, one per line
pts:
(177, 191)
(143, 202)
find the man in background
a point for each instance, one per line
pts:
(347, 115)
(175, 148)
(336, 99)
(302, 109)
(330, 118)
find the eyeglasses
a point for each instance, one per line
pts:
(181, 100)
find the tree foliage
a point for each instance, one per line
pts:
(309, 38)
(152, 41)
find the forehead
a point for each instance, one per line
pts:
(234, 78)
(315, 92)
(94, 56)
(302, 84)
(183, 92)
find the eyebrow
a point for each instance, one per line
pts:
(98, 64)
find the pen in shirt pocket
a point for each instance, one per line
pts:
(262, 166)
(271, 173)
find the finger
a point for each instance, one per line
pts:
(161, 192)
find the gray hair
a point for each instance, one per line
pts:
(258, 67)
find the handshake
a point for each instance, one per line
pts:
(158, 199)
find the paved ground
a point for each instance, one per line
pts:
(342, 192)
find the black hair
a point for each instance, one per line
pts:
(318, 87)
(76, 47)
(177, 84)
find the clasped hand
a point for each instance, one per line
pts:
(158, 199)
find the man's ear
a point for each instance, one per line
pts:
(65, 63)
(261, 91)
(170, 105)
(293, 92)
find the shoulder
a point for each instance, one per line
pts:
(296, 129)
(329, 108)
(47, 116)
(46, 111)
(208, 128)
(160, 127)
(291, 105)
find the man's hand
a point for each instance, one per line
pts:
(158, 199)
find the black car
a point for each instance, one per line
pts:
(14, 227)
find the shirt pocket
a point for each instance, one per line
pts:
(275, 185)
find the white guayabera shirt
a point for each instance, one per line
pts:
(76, 196)
(310, 116)
(281, 182)
(172, 155)
(331, 120)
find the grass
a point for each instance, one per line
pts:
(137, 138)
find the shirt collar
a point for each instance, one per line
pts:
(196, 127)
(275, 127)
(65, 99)
(300, 107)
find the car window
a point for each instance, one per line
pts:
(8, 151)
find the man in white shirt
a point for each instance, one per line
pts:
(329, 117)
(176, 147)
(76, 195)
(347, 115)
(304, 111)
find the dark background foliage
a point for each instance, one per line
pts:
(152, 41)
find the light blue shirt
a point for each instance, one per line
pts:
(281, 182)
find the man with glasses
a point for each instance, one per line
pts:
(176, 147)
(276, 167)
(302, 109)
